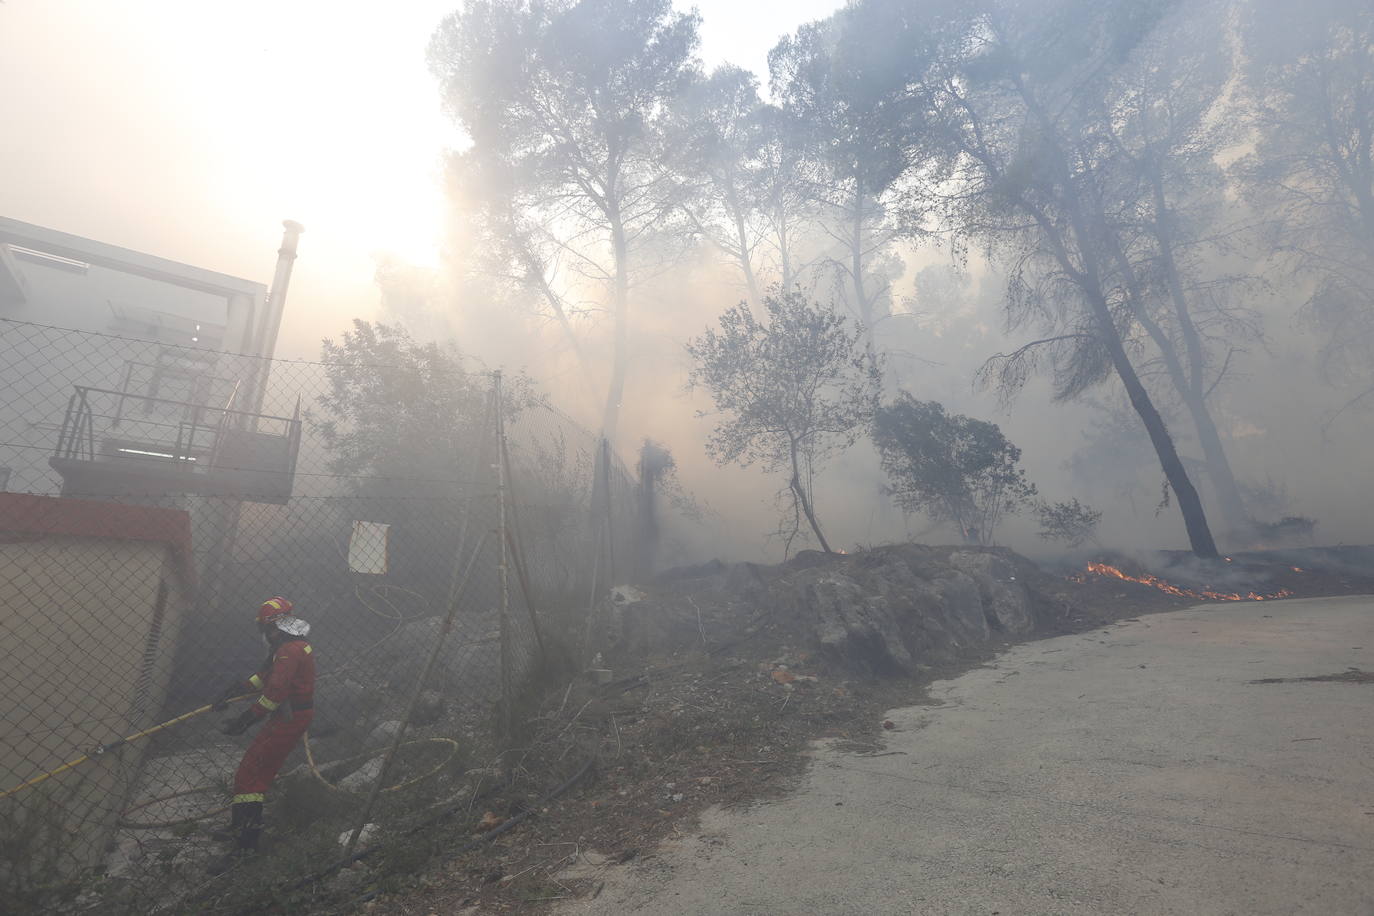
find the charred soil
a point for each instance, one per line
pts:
(715, 706)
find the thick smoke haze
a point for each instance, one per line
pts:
(167, 129)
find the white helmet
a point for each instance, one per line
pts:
(292, 626)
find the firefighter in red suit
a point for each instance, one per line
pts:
(287, 684)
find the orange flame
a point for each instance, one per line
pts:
(1103, 569)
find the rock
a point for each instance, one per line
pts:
(745, 580)
(651, 623)
(810, 559)
(1006, 602)
(851, 624)
(466, 661)
(384, 733)
(363, 836)
(888, 610)
(961, 603)
(700, 571)
(430, 708)
(363, 777)
(626, 594)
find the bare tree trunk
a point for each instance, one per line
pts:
(1195, 395)
(1189, 503)
(620, 356)
(799, 492)
(1194, 517)
(1089, 280)
(856, 268)
(784, 249)
(1188, 384)
(560, 314)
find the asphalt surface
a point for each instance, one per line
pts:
(1135, 769)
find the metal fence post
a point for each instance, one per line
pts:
(507, 687)
(517, 553)
(457, 584)
(372, 539)
(606, 491)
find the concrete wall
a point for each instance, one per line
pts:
(87, 663)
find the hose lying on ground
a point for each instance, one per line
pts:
(316, 877)
(126, 824)
(453, 752)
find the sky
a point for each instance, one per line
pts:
(189, 130)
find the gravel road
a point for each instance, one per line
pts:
(1130, 770)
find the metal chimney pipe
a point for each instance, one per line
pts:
(276, 297)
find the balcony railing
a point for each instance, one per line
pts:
(173, 447)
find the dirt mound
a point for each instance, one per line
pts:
(888, 610)
(720, 677)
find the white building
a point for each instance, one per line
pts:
(158, 403)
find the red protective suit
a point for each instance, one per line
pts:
(287, 682)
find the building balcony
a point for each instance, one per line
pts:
(115, 444)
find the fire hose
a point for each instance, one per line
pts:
(429, 822)
(126, 824)
(101, 749)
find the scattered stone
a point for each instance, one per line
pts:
(883, 611)
(384, 733)
(430, 708)
(363, 837)
(363, 776)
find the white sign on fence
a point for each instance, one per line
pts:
(367, 548)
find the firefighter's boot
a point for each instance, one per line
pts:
(230, 834)
(247, 818)
(251, 829)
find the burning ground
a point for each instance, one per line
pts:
(721, 677)
(1248, 576)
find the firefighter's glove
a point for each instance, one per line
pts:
(230, 692)
(239, 724)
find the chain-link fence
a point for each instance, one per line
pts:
(441, 529)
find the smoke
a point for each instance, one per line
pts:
(236, 169)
